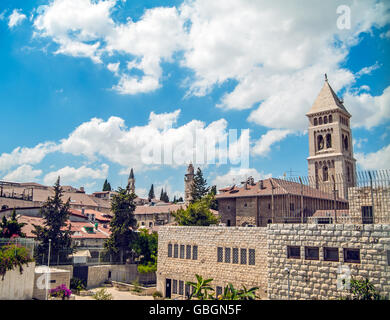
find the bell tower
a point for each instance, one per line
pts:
(131, 182)
(330, 144)
(188, 183)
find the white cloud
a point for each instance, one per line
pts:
(69, 174)
(376, 160)
(368, 70)
(23, 155)
(15, 18)
(237, 175)
(262, 146)
(24, 173)
(128, 147)
(368, 111)
(113, 67)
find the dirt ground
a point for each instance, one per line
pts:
(116, 295)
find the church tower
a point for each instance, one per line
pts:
(131, 182)
(330, 144)
(188, 183)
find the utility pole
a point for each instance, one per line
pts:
(48, 270)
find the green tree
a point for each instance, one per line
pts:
(201, 288)
(151, 193)
(122, 224)
(199, 187)
(145, 246)
(11, 227)
(106, 186)
(363, 290)
(55, 214)
(214, 202)
(180, 199)
(165, 197)
(197, 213)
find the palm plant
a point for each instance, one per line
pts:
(200, 288)
(245, 294)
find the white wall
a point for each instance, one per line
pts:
(16, 286)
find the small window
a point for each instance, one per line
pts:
(245, 204)
(243, 256)
(188, 290)
(228, 223)
(331, 254)
(367, 217)
(228, 207)
(169, 250)
(312, 253)
(181, 287)
(182, 251)
(293, 252)
(330, 119)
(220, 254)
(174, 287)
(195, 253)
(188, 252)
(252, 257)
(352, 255)
(218, 291)
(315, 121)
(52, 281)
(235, 255)
(227, 255)
(176, 251)
(388, 257)
(269, 206)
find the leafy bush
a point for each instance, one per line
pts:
(157, 294)
(12, 256)
(150, 267)
(363, 290)
(60, 292)
(136, 286)
(77, 284)
(102, 294)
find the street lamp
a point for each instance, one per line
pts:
(48, 270)
(288, 282)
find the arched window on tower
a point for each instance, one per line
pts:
(325, 175)
(328, 140)
(325, 120)
(320, 142)
(330, 118)
(345, 142)
(315, 121)
(320, 120)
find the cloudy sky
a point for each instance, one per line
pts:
(87, 85)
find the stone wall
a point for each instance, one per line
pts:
(16, 286)
(56, 277)
(317, 279)
(207, 240)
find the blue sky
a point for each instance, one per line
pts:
(86, 85)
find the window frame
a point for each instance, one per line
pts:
(307, 257)
(325, 249)
(290, 256)
(253, 257)
(219, 254)
(345, 253)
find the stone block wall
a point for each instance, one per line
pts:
(318, 279)
(207, 240)
(57, 277)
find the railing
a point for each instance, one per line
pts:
(28, 243)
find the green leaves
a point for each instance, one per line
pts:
(363, 290)
(201, 288)
(11, 227)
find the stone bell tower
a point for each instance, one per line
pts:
(131, 182)
(188, 183)
(330, 144)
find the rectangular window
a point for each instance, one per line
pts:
(293, 252)
(174, 287)
(235, 255)
(187, 290)
(188, 251)
(182, 251)
(169, 250)
(252, 257)
(352, 255)
(312, 253)
(195, 253)
(243, 256)
(219, 254)
(176, 251)
(181, 287)
(367, 217)
(227, 255)
(218, 291)
(331, 254)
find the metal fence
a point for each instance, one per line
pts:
(363, 198)
(29, 244)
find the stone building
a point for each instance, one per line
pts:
(188, 183)
(316, 256)
(234, 255)
(272, 201)
(330, 143)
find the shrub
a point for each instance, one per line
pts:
(150, 267)
(157, 294)
(77, 284)
(102, 294)
(136, 286)
(12, 256)
(61, 292)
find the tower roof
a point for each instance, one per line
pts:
(327, 100)
(131, 176)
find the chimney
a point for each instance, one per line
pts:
(83, 211)
(82, 189)
(261, 184)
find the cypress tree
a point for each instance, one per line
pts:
(199, 187)
(151, 193)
